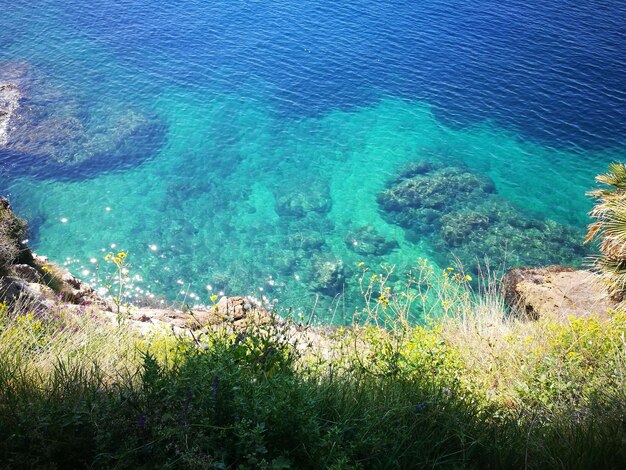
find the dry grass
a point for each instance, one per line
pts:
(471, 385)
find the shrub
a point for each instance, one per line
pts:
(457, 392)
(12, 232)
(610, 228)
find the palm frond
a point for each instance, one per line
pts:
(610, 228)
(615, 177)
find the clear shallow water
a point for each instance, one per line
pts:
(201, 118)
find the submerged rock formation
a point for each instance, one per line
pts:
(327, 274)
(9, 102)
(367, 241)
(460, 213)
(44, 126)
(302, 201)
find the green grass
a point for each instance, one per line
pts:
(474, 388)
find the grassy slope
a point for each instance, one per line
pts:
(470, 389)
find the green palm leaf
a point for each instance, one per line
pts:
(610, 229)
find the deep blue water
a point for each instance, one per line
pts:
(194, 118)
(551, 69)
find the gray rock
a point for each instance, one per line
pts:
(16, 291)
(81, 293)
(235, 311)
(26, 273)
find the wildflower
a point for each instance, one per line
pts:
(450, 269)
(373, 277)
(361, 263)
(213, 298)
(121, 255)
(468, 277)
(444, 304)
(108, 257)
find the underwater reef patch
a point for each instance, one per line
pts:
(303, 200)
(463, 217)
(366, 241)
(47, 131)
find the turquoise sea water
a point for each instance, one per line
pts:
(240, 146)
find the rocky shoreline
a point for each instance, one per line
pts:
(29, 279)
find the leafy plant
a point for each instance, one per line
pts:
(610, 228)
(12, 232)
(119, 281)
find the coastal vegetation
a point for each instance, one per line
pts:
(610, 228)
(12, 232)
(475, 387)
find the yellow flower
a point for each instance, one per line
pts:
(450, 269)
(108, 257)
(121, 255)
(373, 277)
(444, 304)
(213, 298)
(361, 263)
(116, 260)
(468, 277)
